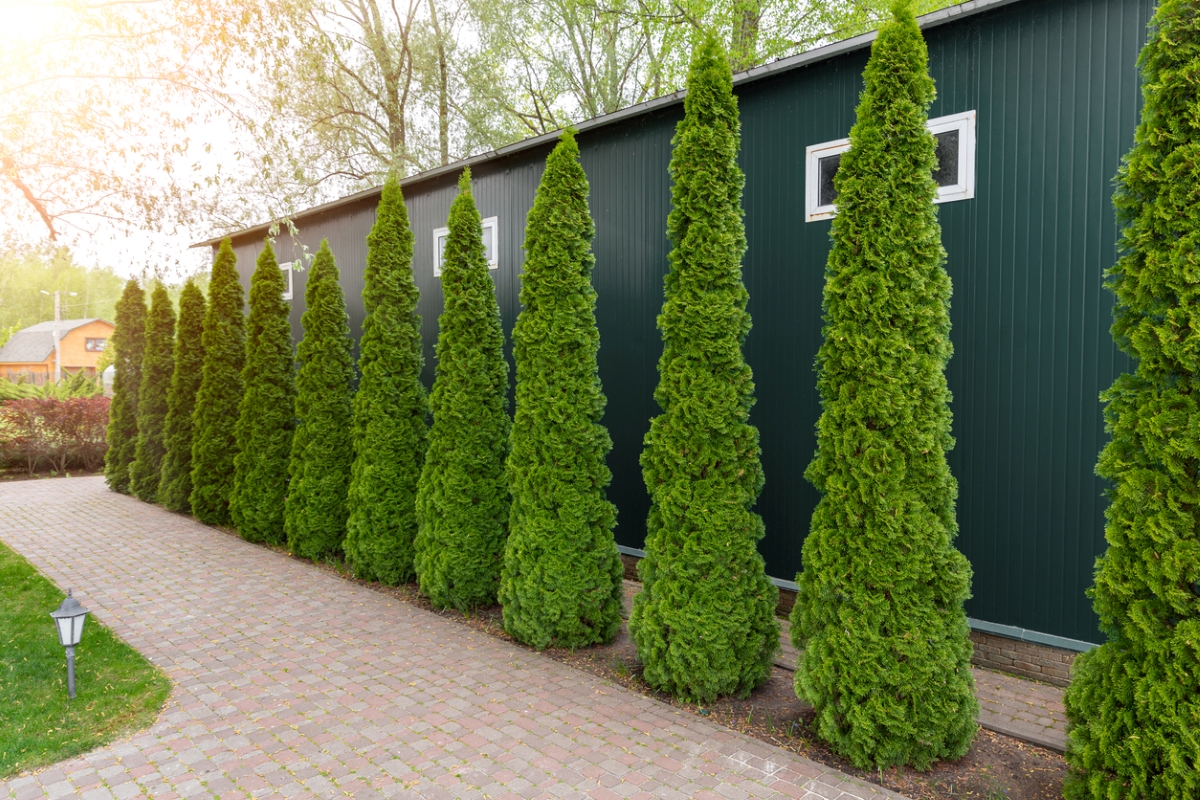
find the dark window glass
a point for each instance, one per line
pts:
(946, 171)
(827, 167)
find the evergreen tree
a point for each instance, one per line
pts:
(390, 406)
(175, 486)
(322, 451)
(462, 496)
(267, 415)
(214, 419)
(880, 618)
(158, 364)
(561, 583)
(129, 341)
(704, 622)
(1134, 703)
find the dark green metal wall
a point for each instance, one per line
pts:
(1055, 86)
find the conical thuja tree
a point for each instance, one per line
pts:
(215, 417)
(561, 583)
(175, 485)
(267, 415)
(1133, 706)
(886, 661)
(158, 365)
(462, 496)
(322, 450)
(390, 406)
(129, 341)
(704, 622)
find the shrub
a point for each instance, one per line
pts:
(1133, 706)
(561, 583)
(704, 622)
(175, 485)
(214, 419)
(158, 363)
(390, 406)
(886, 660)
(267, 416)
(322, 451)
(128, 339)
(462, 496)
(63, 433)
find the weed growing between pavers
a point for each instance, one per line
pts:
(118, 690)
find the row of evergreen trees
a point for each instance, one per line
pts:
(480, 508)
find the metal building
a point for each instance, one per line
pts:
(1037, 102)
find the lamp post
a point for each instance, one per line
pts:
(69, 619)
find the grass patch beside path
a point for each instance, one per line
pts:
(117, 690)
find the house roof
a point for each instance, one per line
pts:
(36, 342)
(926, 21)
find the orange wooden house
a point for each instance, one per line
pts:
(30, 352)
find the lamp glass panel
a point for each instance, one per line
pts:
(64, 630)
(77, 633)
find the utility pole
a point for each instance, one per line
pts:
(57, 342)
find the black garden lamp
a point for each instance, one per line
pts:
(69, 619)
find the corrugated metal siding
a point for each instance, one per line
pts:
(1055, 86)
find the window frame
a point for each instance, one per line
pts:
(95, 344)
(964, 122)
(287, 267)
(484, 224)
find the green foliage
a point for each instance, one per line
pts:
(175, 485)
(129, 341)
(158, 364)
(390, 406)
(267, 416)
(886, 660)
(26, 272)
(462, 496)
(118, 691)
(322, 451)
(1134, 703)
(561, 582)
(79, 384)
(215, 416)
(704, 622)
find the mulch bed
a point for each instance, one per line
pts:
(996, 767)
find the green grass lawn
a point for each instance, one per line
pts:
(117, 690)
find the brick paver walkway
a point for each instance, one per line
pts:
(291, 682)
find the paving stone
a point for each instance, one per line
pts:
(288, 681)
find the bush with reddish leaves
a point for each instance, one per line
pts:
(61, 433)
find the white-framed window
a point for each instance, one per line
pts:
(287, 279)
(491, 244)
(955, 171)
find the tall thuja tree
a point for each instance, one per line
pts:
(322, 450)
(158, 365)
(175, 485)
(462, 496)
(704, 622)
(561, 583)
(214, 443)
(267, 415)
(1134, 703)
(129, 341)
(390, 406)
(886, 661)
